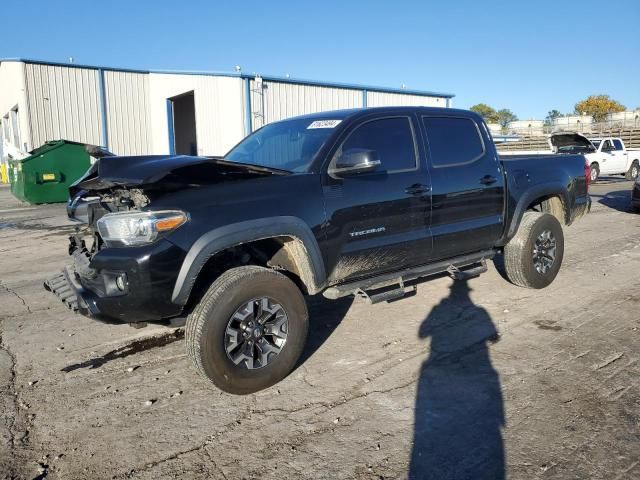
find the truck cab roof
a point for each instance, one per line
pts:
(353, 113)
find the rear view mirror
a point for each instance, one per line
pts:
(355, 161)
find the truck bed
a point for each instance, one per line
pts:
(538, 174)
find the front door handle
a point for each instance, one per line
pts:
(417, 189)
(488, 180)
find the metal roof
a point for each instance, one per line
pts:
(271, 78)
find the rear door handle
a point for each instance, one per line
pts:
(488, 180)
(417, 189)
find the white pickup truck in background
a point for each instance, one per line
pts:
(605, 156)
(613, 158)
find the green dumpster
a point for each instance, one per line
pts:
(46, 174)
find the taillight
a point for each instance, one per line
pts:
(587, 173)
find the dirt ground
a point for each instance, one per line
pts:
(477, 380)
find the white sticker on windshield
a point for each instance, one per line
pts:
(324, 124)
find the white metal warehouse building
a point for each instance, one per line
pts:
(135, 112)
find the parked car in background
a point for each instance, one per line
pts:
(613, 158)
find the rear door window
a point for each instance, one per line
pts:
(453, 140)
(391, 138)
(617, 144)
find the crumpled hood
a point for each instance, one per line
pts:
(570, 139)
(163, 171)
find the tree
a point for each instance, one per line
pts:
(551, 116)
(486, 112)
(598, 106)
(505, 116)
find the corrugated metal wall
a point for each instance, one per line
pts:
(128, 117)
(63, 103)
(283, 100)
(384, 99)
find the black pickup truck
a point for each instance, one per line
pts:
(357, 202)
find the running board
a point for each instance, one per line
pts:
(468, 273)
(454, 267)
(387, 294)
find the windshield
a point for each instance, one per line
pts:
(596, 142)
(288, 145)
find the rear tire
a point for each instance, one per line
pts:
(634, 169)
(215, 330)
(595, 172)
(533, 257)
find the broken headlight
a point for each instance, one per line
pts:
(138, 228)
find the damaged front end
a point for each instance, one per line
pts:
(125, 265)
(121, 265)
(86, 208)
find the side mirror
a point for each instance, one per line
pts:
(355, 161)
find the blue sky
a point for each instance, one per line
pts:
(530, 57)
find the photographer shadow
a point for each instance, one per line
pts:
(459, 413)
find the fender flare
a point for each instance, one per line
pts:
(236, 234)
(554, 189)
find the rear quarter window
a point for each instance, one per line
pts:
(453, 140)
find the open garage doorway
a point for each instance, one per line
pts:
(182, 124)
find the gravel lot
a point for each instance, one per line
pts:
(477, 380)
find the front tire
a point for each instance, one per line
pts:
(248, 331)
(533, 257)
(634, 169)
(595, 172)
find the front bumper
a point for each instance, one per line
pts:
(150, 274)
